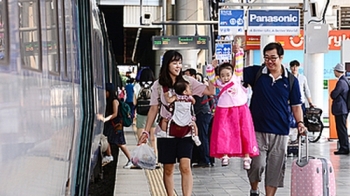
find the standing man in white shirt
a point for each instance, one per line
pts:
(304, 87)
(305, 95)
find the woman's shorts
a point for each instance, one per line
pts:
(171, 150)
(114, 137)
(120, 138)
(141, 121)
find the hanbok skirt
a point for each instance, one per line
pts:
(233, 133)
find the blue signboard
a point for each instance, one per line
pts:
(223, 52)
(231, 22)
(273, 22)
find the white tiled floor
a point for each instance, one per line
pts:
(230, 180)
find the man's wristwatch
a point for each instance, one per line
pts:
(300, 122)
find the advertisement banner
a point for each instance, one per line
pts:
(335, 38)
(273, 22)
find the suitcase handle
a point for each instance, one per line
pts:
(303, 160)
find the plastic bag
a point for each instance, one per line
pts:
(144, 157)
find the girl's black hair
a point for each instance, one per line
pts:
(112, 96)
(225, 66)
(164, 75)
(180, 87)
(217, 71)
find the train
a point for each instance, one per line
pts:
(55, 59)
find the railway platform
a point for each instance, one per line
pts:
(221, 181)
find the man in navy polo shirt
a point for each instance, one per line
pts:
(271, 98)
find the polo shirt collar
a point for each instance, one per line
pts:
(285, 71)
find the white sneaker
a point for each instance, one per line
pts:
(128, 165)
(225, 161)
(107, 159)
(246, 163)
(196, 140)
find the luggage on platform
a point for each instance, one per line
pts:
(312, 176)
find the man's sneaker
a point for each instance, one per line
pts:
(202, 165)
(254, 193)
(107, 159)
(225, 161)
(196, 140)
(128, 165)
(246, 163)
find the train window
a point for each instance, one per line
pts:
(70, 38)
(29, 34)
(52, 43)
(63, 39)
(3, 31)
(98, 58)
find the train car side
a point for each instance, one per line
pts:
(45, 149)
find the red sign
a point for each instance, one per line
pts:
(335, 38)
(252, 42)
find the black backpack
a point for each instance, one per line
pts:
(144, 99)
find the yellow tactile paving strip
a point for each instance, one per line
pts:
(155, 179)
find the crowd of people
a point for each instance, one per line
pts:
(175, 114)
(233, 130)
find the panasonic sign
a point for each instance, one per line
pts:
(256, 18)
(273, 22)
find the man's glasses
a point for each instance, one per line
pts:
(272, 59)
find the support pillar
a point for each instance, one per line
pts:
(187, 11)
(314, 63)
(169, 16)
(314, 72)
(159, 54)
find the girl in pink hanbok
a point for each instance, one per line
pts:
(233, 132)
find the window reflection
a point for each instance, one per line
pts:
(3, 25)
(98, 58)
(29, 34)
(51, 44)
